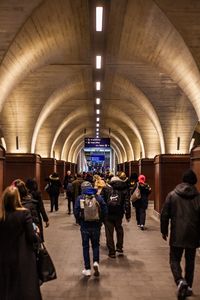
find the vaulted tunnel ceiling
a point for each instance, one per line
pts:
(150, 76)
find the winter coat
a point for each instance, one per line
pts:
(29, 203)
(182, 209)
(37, 199)
(145, 190)
(18, 273)
(77, 209)
(125, 207)
(54, 186)
(76, 188)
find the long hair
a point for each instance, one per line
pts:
(10, 201)
(20, 185)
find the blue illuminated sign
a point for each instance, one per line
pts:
(97, 143)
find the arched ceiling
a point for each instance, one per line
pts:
(150, 75)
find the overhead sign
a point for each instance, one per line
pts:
(97, 143)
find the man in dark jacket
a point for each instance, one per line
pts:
(117, 200)
(182, 208)
(90, 210)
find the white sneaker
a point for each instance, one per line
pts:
(96, 269)
(87, 272)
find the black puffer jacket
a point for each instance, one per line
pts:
(125, 207)
(182, 207)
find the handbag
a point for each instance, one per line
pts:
(47, 187)
(136, 194)
(45, 267)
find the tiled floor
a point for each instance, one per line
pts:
(143, 273)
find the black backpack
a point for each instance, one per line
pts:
(114, 201)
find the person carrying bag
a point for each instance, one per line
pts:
(45, 266)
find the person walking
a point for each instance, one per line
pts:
(141, 204)
(90, 211)
(54, 190)
(32, 186)
(18, 270)
(182, 210)
(117, 200)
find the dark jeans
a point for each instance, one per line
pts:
(140, 215)
(70, 201)
(54, 201)
(175, 263)
(93, 235)
(110, 225)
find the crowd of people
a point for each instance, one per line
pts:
(95, 200)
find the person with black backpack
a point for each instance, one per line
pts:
(118, 203)
(90, 211)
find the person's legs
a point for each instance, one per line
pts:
(52, 202)
(109, 228)
(85, 243)
(120, 234)
(190, 254)
(56, 201)
(137, 214)
(175, 263)
(69, 205)
(95, 235)
(142, 216)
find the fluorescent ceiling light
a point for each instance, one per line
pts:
(98, 85)
(98, 101)
(99, 18)
(97, 125)
(98, 61)
(98, 111)
(97, 119)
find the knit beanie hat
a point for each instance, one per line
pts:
(142, 178)
(189, 177)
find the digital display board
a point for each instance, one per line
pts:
(97, 158)
(97, 142)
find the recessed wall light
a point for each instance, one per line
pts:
(98, 85)
(98, 101)
(97, 125)
(98, 61)
(99, 18)
(97, 111)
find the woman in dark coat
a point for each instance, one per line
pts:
(54, 190)
(142, 203)
(32, 187)
(18, 272)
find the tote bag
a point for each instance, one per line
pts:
(45, 266)
(136, 194)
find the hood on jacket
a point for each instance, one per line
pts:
(115, 178)
(118, 184)
(54, 176)
(186, 190)
(89, 190)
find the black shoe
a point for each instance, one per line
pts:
(120, 251)
(182, 289)
(112, 255)
(189, 292)
(142, 227)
